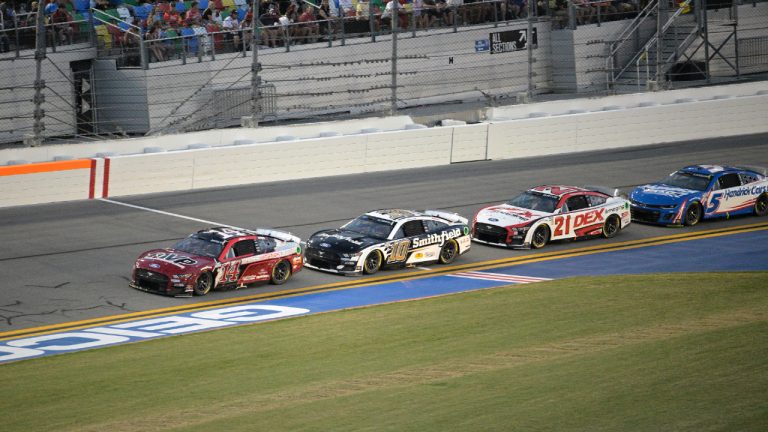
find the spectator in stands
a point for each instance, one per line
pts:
(123, 12)
(247, 30)
(324, 15)
(51, 7)
(194, 12)
(156, 48)
(190, 40)
(392, 7)
(346, 9)
(309, 25)
(202, 36)
(232, 26)
(271, 30)
(451, 10)
(430, 13)
(62, 25)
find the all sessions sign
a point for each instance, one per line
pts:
(512, 40)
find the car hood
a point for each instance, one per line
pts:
(171, 261)
(507, 215)
(341, 241)
(660, 194)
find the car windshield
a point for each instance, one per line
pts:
(198, 246)
(370, 226)
(686, 180)
(535, 201)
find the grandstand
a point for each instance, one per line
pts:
(136, 68)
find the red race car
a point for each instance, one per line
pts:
(216, 258)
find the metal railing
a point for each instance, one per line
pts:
(21, 36)
(656, 40)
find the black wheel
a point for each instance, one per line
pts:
(611, 226)
(449, 252)
(281, 272)
(540, 237)
(203, 284)
(761, 205)
(372, 262)
(692, 214)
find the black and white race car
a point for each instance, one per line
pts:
(388, 238)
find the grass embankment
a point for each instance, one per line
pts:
(647, 353)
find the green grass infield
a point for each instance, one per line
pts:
(654, 353)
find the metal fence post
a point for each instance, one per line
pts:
(395, 16)
(144, 58)
(39, 113)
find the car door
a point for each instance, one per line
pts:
(725, 196)
(578, 217)
(403, 239)
(239, 264)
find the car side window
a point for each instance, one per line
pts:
(595, 200)
(265, 245)
(244, 247)
(747, 178)
(434, 226)
(577, 202)
(728, 181)
(413, 228)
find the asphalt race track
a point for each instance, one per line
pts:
(67, 262)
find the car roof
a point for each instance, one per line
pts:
(710, 169)
(558, 190)
(221, 234)
(394, 214)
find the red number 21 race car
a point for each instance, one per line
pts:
(546, 213)
(218, 258)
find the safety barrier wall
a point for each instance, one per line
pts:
(540, 133)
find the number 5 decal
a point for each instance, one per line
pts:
(399, 251)
(714, 202)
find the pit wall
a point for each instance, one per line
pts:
(229, 157)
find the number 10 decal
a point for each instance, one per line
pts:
(399, 251)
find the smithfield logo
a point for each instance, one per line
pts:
(437, 238)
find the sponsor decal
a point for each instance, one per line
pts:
(324, 245)
(171, 258)
(565, 224)
(68, 341)
(436, 238)
(666, 191)
(154, 266)
(493, 219)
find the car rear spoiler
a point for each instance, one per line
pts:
(453, 217)
(280, 235)
(615, 192)
(760, 170)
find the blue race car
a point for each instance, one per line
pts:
(699, 192)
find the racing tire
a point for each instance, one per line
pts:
(692, 214)
(449, 252)
(612, 226)
(761, 205)
(373, 262)
(281, 272)
(540, 237)
(203, 284)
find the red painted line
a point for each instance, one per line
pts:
(105, 187)
(92, 181)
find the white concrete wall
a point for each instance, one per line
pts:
(540, 129)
